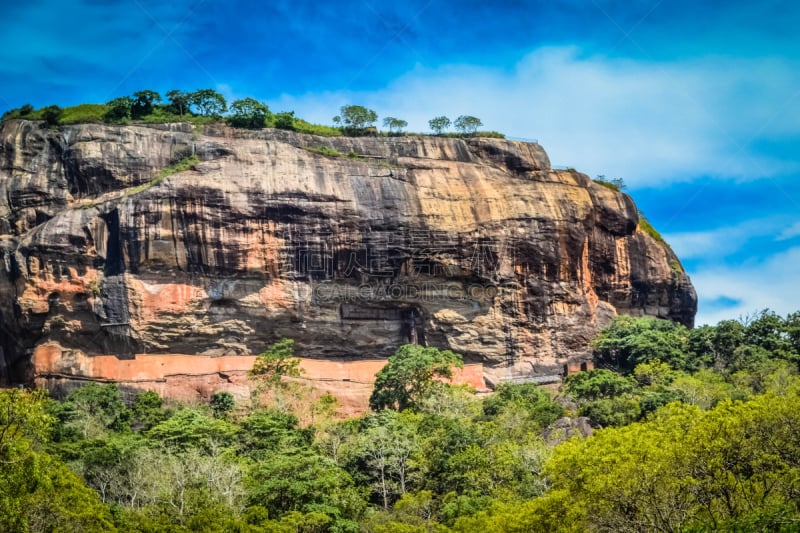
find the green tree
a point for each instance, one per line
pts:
(119, 109)
(208, 102)
(654, 374)
(147, 410)
(176, 487)
(728, 336)
(629, 341)
(91, 411)
(616, 411)
(467, 124)
(439, 124)
(268, 373)
(355, 118)
(222, 403)
(410, 374)
(606, 397)
(143, 102)
(276, 362)
(249, 113)
(38, 492)
(301, 480)
(23, 421)
(768, 331)
(598, 384)
(455, 401)
(51, 115)
(792, 330)
(395, 125)
(733, 468)
(266, 431)
(21, 112)
(388, 447)
(189, 428)
(704, 389)
(59, 502)
(285, 120)
(524, 398)
(180, 101)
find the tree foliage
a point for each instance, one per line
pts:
(439, 124)
(276, 362)
(147, 410)
(687, 469)
(409, 374)
(395, 125)
(209, 103)
(119, 109)
(355, 118)
(20, 112)
(189, 428)
(38, 492)
(51, 115)
(179, 101)
(143, 103)
(467, 124)
(222, 403)
(714, 449)
(285, 120)
(629, 341)
(598, 384)
(249, 113)
(524, 398)
(92, 411)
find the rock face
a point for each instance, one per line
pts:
(350, 246)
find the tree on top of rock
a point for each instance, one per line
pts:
(179, 101)
(439, 124)
(467, 124)
(395, 125)
(249, 113)
(143, 103)
(355, 118)
(208, 102)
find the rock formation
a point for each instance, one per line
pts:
(350, 246)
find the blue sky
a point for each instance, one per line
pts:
(696, 105)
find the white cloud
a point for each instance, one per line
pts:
(744, 267)
(790, 232)
(718, 243)
(771, 283)
(649, 123)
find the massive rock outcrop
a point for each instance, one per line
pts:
(350, 246)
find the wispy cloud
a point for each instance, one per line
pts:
(647, 122)
(696, 105)
(768, 283)
(791, 232)
(720, 243)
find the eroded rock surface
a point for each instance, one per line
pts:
(476, 245)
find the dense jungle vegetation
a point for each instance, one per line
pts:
(700, 432)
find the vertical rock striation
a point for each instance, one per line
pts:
(476, 245)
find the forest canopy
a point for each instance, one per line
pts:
(678, 430)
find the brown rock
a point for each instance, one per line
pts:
(476, 245)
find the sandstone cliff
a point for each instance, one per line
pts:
(476, 245)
